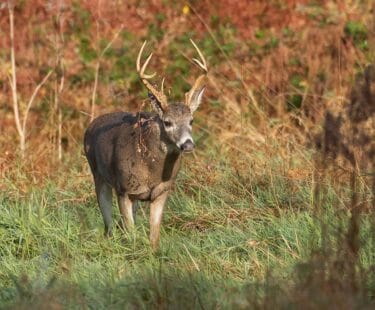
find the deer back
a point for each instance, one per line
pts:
(132, 153)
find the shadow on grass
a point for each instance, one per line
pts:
(329, 279)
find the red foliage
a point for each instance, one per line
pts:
(44, 26)
(247, 15)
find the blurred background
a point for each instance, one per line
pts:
(275, 66)
(275, 208)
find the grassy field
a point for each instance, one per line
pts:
(227, 245)
(273, 210)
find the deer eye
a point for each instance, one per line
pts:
(167, 124)
(191, 122)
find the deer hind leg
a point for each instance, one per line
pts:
(135, 208)
(156, 213)
(126, 207)
(104, 196)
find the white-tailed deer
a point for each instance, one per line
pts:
(139, 154)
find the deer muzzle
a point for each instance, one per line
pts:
(187, 146)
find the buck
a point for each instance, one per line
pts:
(139, 154)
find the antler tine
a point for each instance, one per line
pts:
(143, 74)
(145, 77)
(142, 70)
(202, 62)
(162, 86)
(192, 97)
(139, 56)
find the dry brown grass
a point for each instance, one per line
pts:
(251, 88)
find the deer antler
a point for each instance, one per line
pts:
(200, 83)
(159, 95)
(202, 63)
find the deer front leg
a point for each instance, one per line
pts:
(126, 210)
(156, 213)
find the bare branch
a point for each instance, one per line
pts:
(21, 128)
(112, 41)
(93, 97)
(29, 104)
(97, 68)
(13, 78)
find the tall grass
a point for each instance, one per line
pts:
(220, 247)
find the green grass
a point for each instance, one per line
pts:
(222, 244)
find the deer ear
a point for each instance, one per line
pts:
(156, 105)
(193, 98)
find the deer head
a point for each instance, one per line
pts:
(177, 118)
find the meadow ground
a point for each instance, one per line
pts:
(274, 209)
(234, 243)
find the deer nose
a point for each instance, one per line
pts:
(187, 146)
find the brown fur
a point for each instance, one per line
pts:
(134, 155)
(139, 155)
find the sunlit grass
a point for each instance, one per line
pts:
(215, 239)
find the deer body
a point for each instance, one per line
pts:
(132, 153)
(139, 154)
